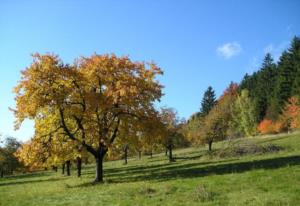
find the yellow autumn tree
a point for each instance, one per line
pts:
(89, 99)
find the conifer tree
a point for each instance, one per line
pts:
(265, 86)
(208, 101)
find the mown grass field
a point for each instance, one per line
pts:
(196, 178)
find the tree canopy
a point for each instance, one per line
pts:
(88, 102)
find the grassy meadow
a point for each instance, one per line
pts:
(256, 171)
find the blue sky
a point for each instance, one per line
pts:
(196, 43)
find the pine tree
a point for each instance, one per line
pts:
(288, 83)
(208, 101)
(295, 52)
(265, 86)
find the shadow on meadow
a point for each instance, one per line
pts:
(28, 181)
(175, 170)
(28, 175)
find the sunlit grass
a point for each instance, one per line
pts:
(196, 178)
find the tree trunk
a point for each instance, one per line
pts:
(63, 168)
(78, 166)
(54, 168)
(68, 163)
(209, 145)
(140, 155)
(1, 173)
(170, 153)
(99, 164)
(125, 154)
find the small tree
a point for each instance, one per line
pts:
(243, 120)
(8, 162)
(171, 125)
(291, 113)
(214, 128)
(216, 123)
(208, 101)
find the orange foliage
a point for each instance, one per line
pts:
(231, 90)
(267, 126)
(289, 119)
(291, 113)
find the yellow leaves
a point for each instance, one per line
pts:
(91, 93)
(122, 92)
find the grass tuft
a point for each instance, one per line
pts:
(202, 194)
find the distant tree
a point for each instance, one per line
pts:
(33, 154)
(267, 126)
(289, 74)
(290, 118)
(216, 123)
(265, 86)
(285, 79)
(215, 127)
(2, 160)
(261, 86)
(171, 124)
(243, 120)
(8, 162)
(295, 52)
(191, 129)
(208, 101)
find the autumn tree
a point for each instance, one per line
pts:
(267, 126)
(90, 99)
(171, 128)
(243, 117)
(216, 123)
(151, 137)
(33, 155)
(51, 148)
(290, 117)
(288, 120)
(191, 130)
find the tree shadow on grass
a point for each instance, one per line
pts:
(136, 170)
(188, 158)
(199, 170)
(27, 175)
(28, 181)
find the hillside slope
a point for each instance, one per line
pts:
(256, 171)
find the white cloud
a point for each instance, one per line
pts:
(276, 50)
(229, 50)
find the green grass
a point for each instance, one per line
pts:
(196, 178)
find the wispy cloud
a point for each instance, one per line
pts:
(276, 49)
(229, 50)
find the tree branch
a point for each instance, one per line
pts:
(115, 132)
